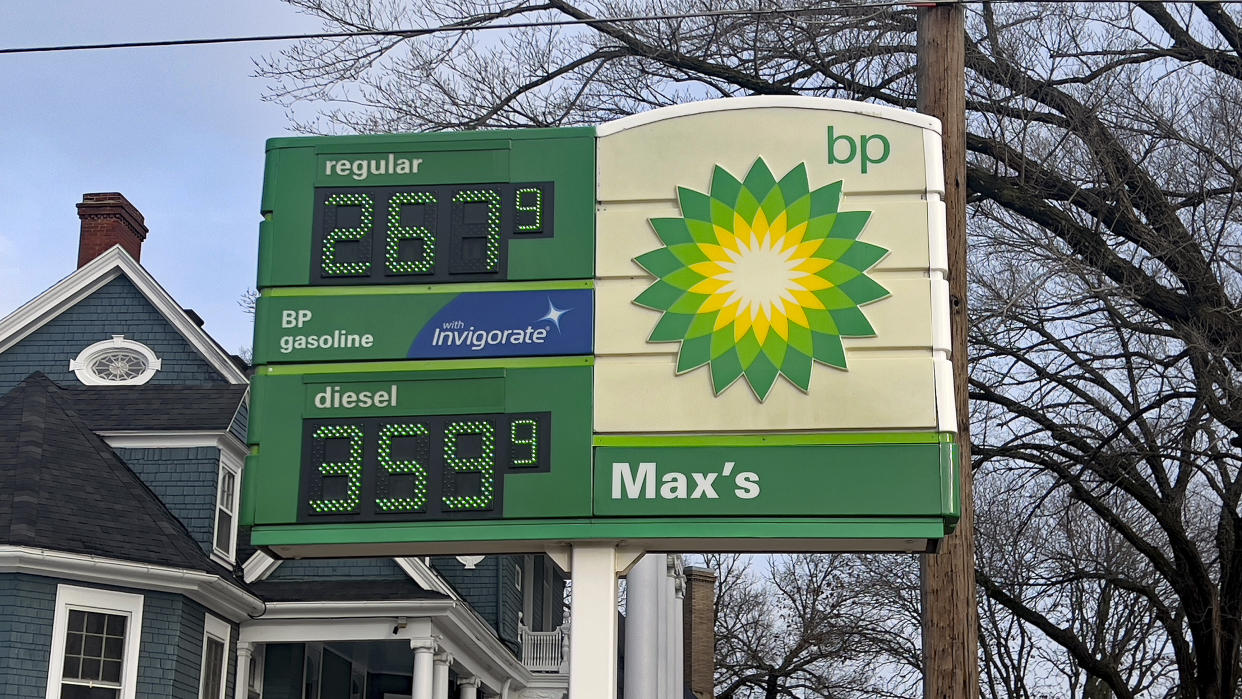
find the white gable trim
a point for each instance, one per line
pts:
(223, 440)
(36, 312)
(243, 403)
(259, 566)
(426, 577)
(64, 294)
(211, 591)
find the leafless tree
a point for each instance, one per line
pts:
(815, 626)
(1105, 141)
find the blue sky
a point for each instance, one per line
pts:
(179, 131)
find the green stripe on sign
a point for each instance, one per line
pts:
(428, 365)
(632, 530)
(751, 440)
(408, 289)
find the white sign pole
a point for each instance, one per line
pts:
(593, 615)
(594, 567)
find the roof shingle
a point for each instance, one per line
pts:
(62, 488)
(157, 406)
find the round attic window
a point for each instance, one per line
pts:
(115, 362)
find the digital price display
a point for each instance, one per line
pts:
(426, 467)
(407, 235)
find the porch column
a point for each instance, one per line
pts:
(664, 611)
(643, 627)
(679, 637)
(440, 676)
(469, 688)
(424, 649)
(241, 684)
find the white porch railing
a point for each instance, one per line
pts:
(545, 651)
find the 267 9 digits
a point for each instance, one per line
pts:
(382, 235)
(425, 467)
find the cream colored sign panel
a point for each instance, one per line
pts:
(771, 264)
(906, 399)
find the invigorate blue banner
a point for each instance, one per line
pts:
(509, 324)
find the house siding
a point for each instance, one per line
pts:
(185, 480)
(27, 609)
(477, 586)
(240, 419)
(182, 651)
(511, 599)
(167, 669)
(338, 569)
(116, 308)
(536, 607)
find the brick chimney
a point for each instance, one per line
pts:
(109, 219)
(699, 631)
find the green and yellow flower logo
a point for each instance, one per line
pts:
(760, 278)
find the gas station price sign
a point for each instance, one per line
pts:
(717, 326)
(428, 209)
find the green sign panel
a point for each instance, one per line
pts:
(420, 441)
(428, 208)
(795, 480)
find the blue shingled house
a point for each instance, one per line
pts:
(123, 572)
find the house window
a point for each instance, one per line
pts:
(94, 644)
(310, 672)
(227, 495)
(254, 685)
(528, 592)
(115, 362)
(550, 606)
(215, 649)
(94, 651)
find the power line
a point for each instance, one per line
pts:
(448, 28)
(462, 28)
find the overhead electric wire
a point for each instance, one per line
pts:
(412, 33)
(447, 28)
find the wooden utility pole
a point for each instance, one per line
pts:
(950, 614)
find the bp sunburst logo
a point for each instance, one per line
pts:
(760, 278)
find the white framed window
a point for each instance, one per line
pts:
(95, 637)
(548, 602)
(528, 593)
(215, 658)
(115, 362)
(228, 496)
